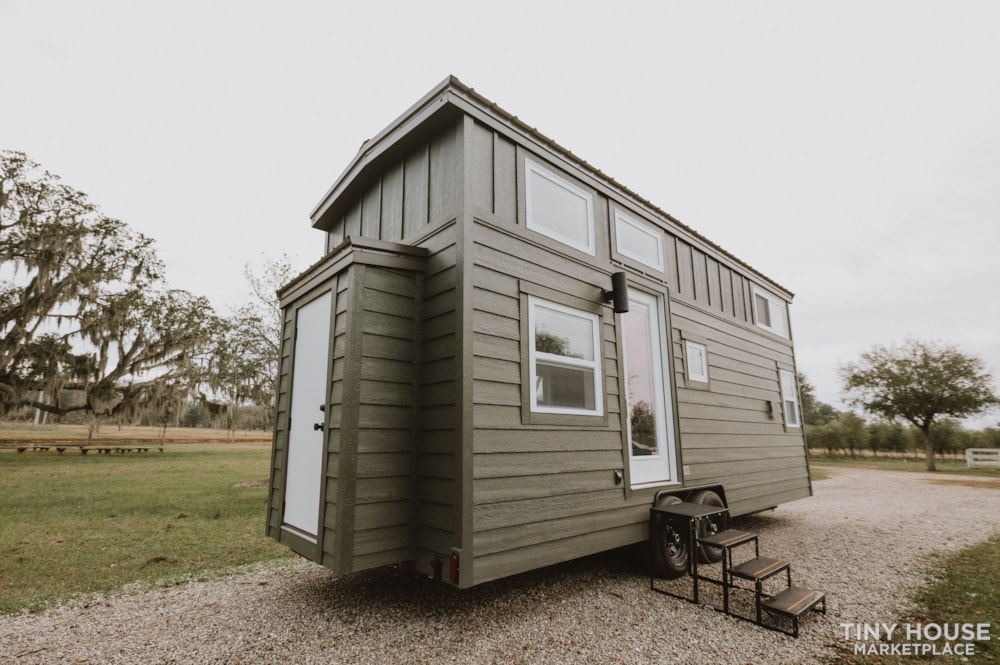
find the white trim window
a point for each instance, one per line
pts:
(770, 312)
(558, 208)
(697, 361)
(639, 241)
(564, 359)
(790, 399)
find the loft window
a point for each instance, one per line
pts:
(697, 361)
(559, 209)
(770, 313)
(564, 359)
(790, 399)
(638, 241)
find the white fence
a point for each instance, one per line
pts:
(982, 457)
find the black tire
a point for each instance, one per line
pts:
(709, 498)
(670, 558)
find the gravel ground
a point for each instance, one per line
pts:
(863, 539)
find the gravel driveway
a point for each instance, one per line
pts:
(863, 539)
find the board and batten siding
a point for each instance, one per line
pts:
(408, 198)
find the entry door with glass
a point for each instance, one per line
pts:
(307, 412)
(650, 419)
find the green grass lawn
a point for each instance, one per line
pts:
(966, 589)
(74, 523)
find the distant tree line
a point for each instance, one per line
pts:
(90, 327)
(832, 432)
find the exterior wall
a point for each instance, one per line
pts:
(340, 440)
(412, 196)
(472, 469)
(546, 492)
(437, 495)
(367, 508)
(416, 200)
(279, 446)
(733, 430)
(384, 312)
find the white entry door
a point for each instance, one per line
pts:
(650, 418)
(306, 432)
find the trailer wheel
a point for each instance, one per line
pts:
(670, 552)
(709, 498)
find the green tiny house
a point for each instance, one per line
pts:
(455, 389)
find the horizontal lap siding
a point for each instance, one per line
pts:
(336, 437)
(729, 434)
(386, 417)
(541, 494)
(436, 494)
(279, 449)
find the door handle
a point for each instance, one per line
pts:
(317, 426)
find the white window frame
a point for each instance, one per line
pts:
(790, 393)
(539, 225)
(777, 313)
(534, 356)
(697, 372)
(622, 219)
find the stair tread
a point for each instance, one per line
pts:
(759, 568)
(728, 538)
(793, 601)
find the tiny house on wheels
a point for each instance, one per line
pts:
(505, 358)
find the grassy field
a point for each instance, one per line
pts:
(71, 524)
(890, 464)
(13, 433)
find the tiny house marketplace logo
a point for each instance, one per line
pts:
(916, 639)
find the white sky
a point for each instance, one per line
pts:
(849, 150)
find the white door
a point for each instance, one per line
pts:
(650, 418)
(306, 431)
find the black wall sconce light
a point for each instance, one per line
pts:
(618, 295)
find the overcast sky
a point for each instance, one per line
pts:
(848, 150)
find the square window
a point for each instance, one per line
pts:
(697, 361)
(638, 241)
(558, 209)
(770, 313)
(564, 359)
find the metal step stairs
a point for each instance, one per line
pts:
(707, 530)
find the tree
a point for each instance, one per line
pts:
(59, 253)
(919, 382)
(814, 412)
(83, 307)
(243, 364)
